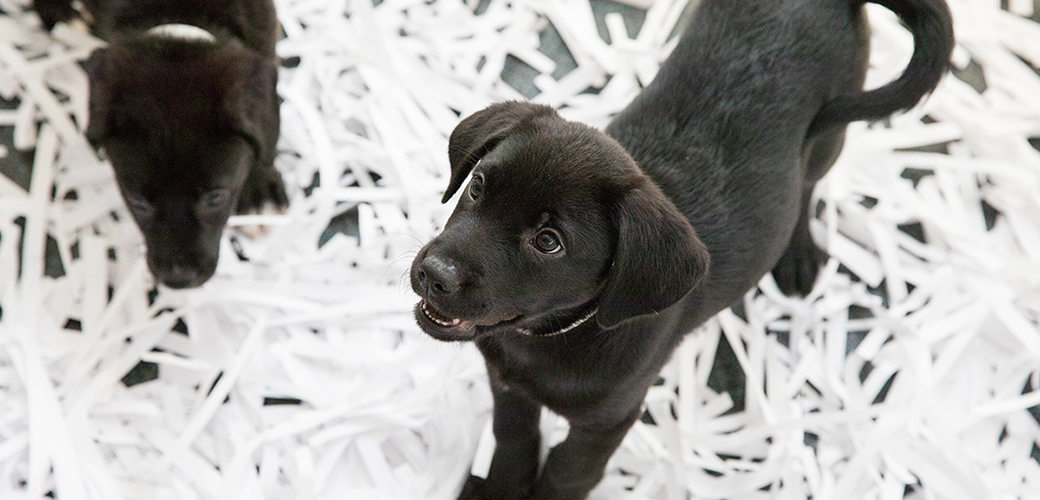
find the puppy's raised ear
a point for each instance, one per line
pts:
(658, 259)
(479, 133)
(99, 75)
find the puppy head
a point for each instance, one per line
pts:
(183, 125)
(556, 221)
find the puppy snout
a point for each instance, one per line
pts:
(438, 277)
(181, 277)
(179, 271)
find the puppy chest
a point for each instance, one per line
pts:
(559, 379)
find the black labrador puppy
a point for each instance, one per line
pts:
(183, 101)
(577, 260)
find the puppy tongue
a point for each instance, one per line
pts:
(496, 320)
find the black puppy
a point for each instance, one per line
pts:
(183, 101)
(577, 260)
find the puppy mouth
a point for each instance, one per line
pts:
(436, 316)
(442, 326)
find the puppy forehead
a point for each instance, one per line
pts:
(559, 159)
(154, 159)
(537, 180)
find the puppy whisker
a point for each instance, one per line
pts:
(412, 236)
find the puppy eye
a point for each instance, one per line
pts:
(547, 241)
(215, 198)
(476, 187)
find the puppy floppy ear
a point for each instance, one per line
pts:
(481, 131)
(252, 104)
(99, 76)
(658, 259)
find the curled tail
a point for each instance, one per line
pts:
(930, 23)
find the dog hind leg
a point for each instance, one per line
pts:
(795, 272)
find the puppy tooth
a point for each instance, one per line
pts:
(436, 318)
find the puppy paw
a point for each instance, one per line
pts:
(257, 231)
(471, 490)
(478, 488)
(262, 195)
(795, 272)
(262, 190)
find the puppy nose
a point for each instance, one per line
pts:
(438, 276)
(180, 277)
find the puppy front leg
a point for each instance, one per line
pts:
(264, 189)
(517, 440)
(576, 465)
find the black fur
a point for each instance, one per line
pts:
(190, 127)
(696, 190)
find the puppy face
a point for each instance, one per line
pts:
(514, 254)
(556, 221)
(179, 125)
(181, 198)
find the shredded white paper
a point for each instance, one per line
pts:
(912, 370)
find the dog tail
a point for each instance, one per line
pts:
(930, 23)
